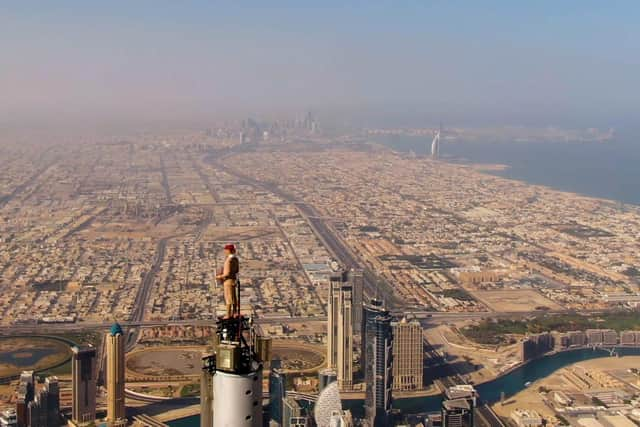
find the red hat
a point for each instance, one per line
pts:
(230, 247)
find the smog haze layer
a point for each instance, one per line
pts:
(78, 65)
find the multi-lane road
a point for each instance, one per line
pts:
(4, 200)
(375, 286)
(427, 318)
(144, 292)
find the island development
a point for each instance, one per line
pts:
(419, 291)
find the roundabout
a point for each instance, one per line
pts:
(165, 362)
(298, 357)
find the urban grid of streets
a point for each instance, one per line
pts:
(131, 230)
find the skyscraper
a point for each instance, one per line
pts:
(435, 144)
(83, 384)
(407, 355)
(459, 406)
(328, 403)
(206, 399)
(115, 376)
(333, 307)
(326, 377)
(340, 330)
(44, 409)
(293, 415)
(457, 413)
(277, 391)
(52, 388)
(378, 367)
(24, 398)
(356, 278)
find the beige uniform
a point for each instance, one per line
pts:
(230, 278)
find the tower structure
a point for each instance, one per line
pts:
(379, 364)
(326, 377)
(340, 329)
(52, 387)
(83, 385)
(435, 144)
(328, 403)
(407, 355)
(206, 399)
(356, 278)
(115, 376)
(235, 371)
(44, 409)
(459, 406)
(26, 392)
(293, 415)
(277, 391)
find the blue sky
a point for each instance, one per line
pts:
(508, 61)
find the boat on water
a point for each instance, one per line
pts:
(527, 384)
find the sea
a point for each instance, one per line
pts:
(608, 170)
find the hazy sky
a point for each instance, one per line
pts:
(510, 61)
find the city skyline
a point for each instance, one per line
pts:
(417, 214)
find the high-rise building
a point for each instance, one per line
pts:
(293, 415)
(53, 401)
(44, 409)
(206, 399)
(340, 330)
(326, 377)
(459, 406)
(83, 385)
(457, 413)
(26, 388)
(277, 391)
(328, 403)
(435, 144)
(407, 355)
(356, 278)
(115, 376)
(333, 307)
(379, 364)
(536, 345)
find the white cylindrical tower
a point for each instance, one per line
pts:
(237, 399)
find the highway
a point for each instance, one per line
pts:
(427, 318)
(144, 292)
(375, 286)
(486, 417)
(53, 328)
(165, 181)
(205, 180)
(4, 200)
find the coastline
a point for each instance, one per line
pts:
(500, 165)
